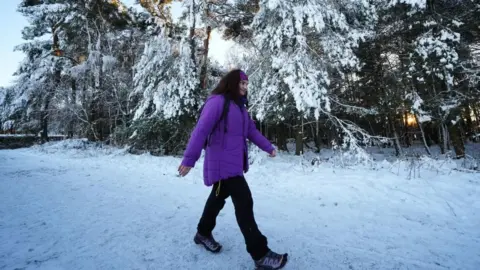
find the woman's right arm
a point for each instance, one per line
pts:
(210, 115)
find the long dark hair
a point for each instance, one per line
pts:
(228, 85)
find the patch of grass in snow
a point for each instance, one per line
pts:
(411, 165)
(81, 147)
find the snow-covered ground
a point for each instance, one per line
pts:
(65, 208)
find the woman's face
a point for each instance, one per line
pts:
(243, 88)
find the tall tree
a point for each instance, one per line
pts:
(40, 74)
(306, 44)
(167, 81)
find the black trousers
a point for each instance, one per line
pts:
(237, 188)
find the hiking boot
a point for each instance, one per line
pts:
(271, 261)
(208, 242)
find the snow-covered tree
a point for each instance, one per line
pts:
(167, 82)
(167, 78)
(77, 64)
(4, 105)
(304, 42)
(422, 50)
(304, 46)
(320, 71)
(40, 73)
(440, 48)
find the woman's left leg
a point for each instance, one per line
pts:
(256, 242)
(213, 206)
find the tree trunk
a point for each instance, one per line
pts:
(469, 126)
(204, 68)
(424, 139)
(456, 139)
(440, 137)
(281, 137)
(92, 116)
(50, 92)
(192, 33)
(447, 137)
(319, 139)
(407, 130)
(44, 114)
(398, 146)
(267, 133)
(299, 142)
(44, 119)
(443, 138)
(476, 112)
(316, 136)
(73, 104)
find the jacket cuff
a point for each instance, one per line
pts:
(188, 162)
(270, 149)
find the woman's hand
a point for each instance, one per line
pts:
(273, 154)
(184, 170)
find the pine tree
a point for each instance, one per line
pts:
(436, 67)
(306, 45)
(72, 76)
(40, 74)
(167, 78)
(167, 81)
(426, 79)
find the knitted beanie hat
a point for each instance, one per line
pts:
(243, 76)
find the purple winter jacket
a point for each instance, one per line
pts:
(226, 154)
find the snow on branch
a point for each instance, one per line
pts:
(166, 78)
(302, 42)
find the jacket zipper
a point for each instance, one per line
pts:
(243, 110)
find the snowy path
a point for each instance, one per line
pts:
(75, 211)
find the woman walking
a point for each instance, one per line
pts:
(223, 128)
